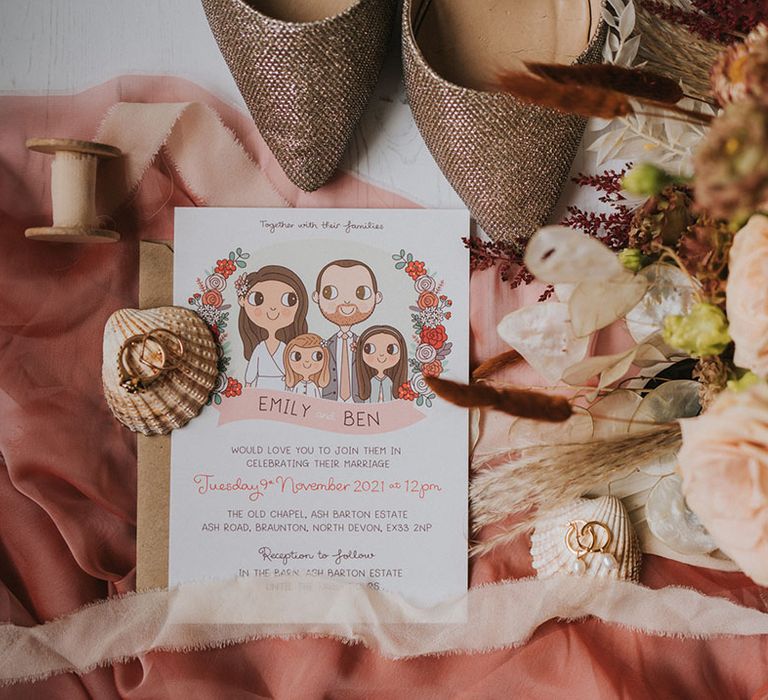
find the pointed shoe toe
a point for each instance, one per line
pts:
(305, 77)
(507, 160)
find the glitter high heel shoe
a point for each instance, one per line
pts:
(507, 160)
(306, 69)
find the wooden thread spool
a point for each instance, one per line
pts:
(73, 191)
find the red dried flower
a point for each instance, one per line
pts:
(721, 21)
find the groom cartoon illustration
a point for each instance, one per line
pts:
(347, 293)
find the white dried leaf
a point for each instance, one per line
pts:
(612, 414)
(598, 123)
(610, 368)
(542, 334)
(670, 401)
(651, 353)
(563, 291)
(558, 254)
(475, 428)
(627, 52)
(610, 18)
(627, 22)
(524, 432)
(669, 292)
(597, 304)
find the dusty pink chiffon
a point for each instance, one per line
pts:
(67, 482)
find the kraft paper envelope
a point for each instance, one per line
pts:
(153, 453)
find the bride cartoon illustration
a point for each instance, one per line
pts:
(273, 311)
(381, 364)
(307, 365)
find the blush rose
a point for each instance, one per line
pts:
(747, 295)
(724, 466)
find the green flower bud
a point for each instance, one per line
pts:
(633, 259)
(646, 180)
(702, 333)
(745, 381)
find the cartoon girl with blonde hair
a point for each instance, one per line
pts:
(273, 311)
(307, 365)
(381, 364)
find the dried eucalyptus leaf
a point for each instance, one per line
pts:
(542, 334)
(597, 304)
(612, 413)
(609, 367)
(670, 401)
(557, 254)
(649, 354)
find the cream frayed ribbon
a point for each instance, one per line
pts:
(195, 140)
(495, 616)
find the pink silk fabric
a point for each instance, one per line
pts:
(68, 470)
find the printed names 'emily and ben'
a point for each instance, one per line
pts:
(283, 356)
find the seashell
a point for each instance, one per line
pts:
(179, 394)
(620, 558)
(673, 522)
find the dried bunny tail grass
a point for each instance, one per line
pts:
(496, 364)
(546, 478)
(585, 100)
(517, 402)
(634, 82)
(673, 51)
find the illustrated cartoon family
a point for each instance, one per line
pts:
(282, 355)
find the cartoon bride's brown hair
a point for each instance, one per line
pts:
(253, 334)
(398, 374)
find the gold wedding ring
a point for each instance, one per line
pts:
(587, 539)
(160, 352)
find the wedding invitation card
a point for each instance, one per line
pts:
(323, 451)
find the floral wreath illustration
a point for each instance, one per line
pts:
(429, 315)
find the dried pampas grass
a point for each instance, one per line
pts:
(544, 478)
(673, 51)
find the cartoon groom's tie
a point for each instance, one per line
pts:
(344, 381)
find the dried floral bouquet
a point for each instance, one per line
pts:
(681, 259)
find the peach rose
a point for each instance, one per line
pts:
(747, 295)
(724, 466)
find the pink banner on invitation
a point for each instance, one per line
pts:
(322, 414)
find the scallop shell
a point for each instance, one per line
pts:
(673, 522)
(176, 397)
(551, 555)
